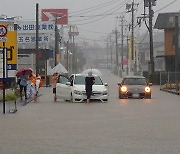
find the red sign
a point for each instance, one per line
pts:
(3, 31)
(51, 14)
(125, 61)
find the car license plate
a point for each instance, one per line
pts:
(135, 95)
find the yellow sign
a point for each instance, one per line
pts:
(11, 45)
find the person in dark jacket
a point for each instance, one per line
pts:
(23, 84)
(89, 81)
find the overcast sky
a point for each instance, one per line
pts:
(100, 16)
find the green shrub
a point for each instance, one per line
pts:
(10, 97)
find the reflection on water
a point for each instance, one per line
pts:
(148, 100)
(126, 101)
(123, 101)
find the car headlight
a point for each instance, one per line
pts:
(105, 92)
(147, 89)
(123, 88)
(77, 92)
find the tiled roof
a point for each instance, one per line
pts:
(166, 20)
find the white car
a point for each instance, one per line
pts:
(73, 88)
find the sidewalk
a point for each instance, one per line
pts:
(172, 91)
(10, 105)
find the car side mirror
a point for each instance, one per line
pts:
(68, 83)
(150, 84)
(119, 83)
(105, 84)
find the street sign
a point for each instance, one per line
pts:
(1, 66)
(11, 45)
(51, 14)
(3, 39)
(3, 30)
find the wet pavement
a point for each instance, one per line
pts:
(117, 127)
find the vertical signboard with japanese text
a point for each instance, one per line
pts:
(11, 45)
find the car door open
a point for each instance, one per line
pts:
(63, 88)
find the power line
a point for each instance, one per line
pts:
(143, 37)
(104, 16)
(93, 31)
(165, 6)
(106, 4)
(95, 15)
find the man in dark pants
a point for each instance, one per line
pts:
(23, 84)
(89, 81)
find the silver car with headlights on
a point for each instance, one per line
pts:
(134, 87)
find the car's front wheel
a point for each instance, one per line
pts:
(120, 96)
(148, 96)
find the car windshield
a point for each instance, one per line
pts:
(134, 81)
(80, 80)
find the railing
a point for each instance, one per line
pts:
(170, 81)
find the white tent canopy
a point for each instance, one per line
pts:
(59, 68)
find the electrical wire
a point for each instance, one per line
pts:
(106, 4)
(104, 15)
(92, 31)
(143, 38)
(165, 6)
(96, 15)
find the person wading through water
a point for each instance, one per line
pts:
(23, 84)
(89, 81)
(54, 82)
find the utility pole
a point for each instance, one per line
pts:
(73, 56)
(130, 8)
(151, 37)
(67, 58)
(122, 41)
(111, 50)
(107, 48)
(37, 38)
(95, 53)
(56, 42)
(116, 34)
(177, 55)
(149, 4)
(132, 29)
(127, 42)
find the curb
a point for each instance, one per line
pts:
(170, 91)
(25, 102)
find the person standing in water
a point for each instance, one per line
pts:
(89, 81)
(54, 82)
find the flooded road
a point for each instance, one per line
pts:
(127, 126)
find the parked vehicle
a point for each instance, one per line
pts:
(73, 88)
(134, 87)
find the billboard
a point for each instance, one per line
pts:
(27, 31)
(11, 45)
(29, 27)
(51, 14)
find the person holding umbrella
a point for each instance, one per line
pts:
(22, 75)
(89, 81)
